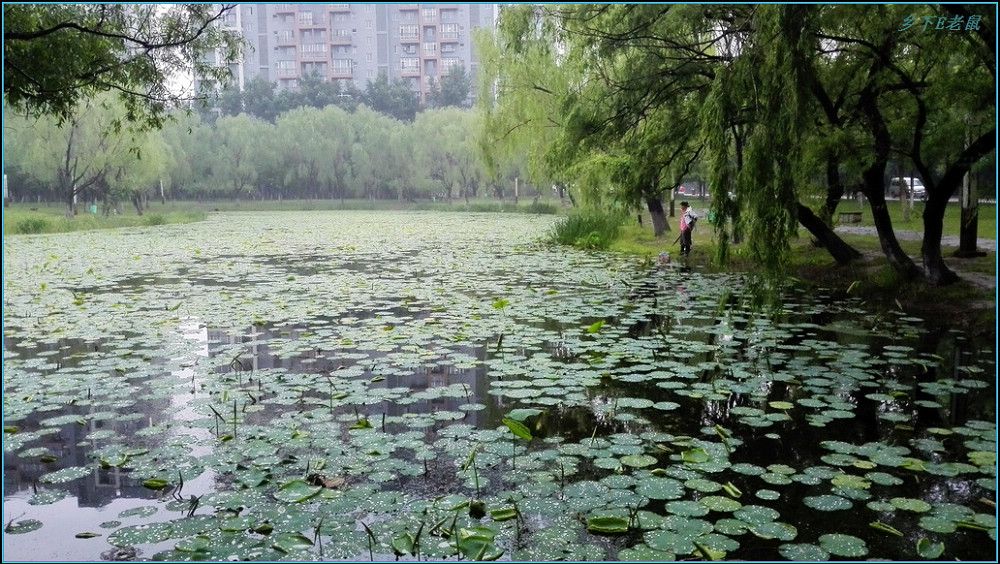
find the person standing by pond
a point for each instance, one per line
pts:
(688, 220)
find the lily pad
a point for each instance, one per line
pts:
(21, 527)
(803, 552)
(296, 491)
(843, 545)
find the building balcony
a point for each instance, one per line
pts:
(284, 8)
(409, 38)
(339, 7)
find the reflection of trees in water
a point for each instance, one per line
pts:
(115, 392)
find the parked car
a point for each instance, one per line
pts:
(913, 186)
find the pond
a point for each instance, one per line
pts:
(382, 385)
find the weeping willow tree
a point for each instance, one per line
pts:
(583, 89)
(786, 106)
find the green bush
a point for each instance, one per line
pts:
(591, 230)
(30, 225)
(541, 208)
(155, 219)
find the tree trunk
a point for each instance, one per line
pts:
(938, 273)
(834, 192)
(655, 207)
(137, 202)
(828, 239)
(968, 235)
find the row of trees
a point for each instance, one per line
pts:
(783, 105)
(306, 153)
(260, 97)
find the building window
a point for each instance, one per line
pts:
(342, 32)
(286, 36)
(409, 64)
(448, 48)
(428, 14)
(430, 49)
(448, 62)
(449, 15)
(285, 68)
(342, 66)
(313, 50)
(449, 31)
(369, 24)
(305, 18)
(370, 57)
(408, 32)
(341, 17)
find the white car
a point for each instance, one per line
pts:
(913, 186)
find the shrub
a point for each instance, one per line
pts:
(155, 219)
(590, 230)
(32, 225)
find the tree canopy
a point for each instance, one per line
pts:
(57, 55)
(783, 106)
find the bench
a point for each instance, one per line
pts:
(850, 217)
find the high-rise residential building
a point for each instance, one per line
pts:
(354, 43)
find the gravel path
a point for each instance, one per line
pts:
(946, 241)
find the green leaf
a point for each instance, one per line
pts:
(517, 428)
(505, 514)
(403, 544)
(607, 525)
(695, 455)
(296, 491)
(155, 484)
(887, 528)
(595, 327)
(928, 549)
(522, 414)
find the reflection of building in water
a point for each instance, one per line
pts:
(68, 444)
(432, 373)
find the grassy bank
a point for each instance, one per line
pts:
(51, 218)
(871, 278)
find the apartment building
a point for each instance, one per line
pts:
(356, 42)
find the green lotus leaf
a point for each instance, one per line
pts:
(296, 491)
(768, 495)
(638, 460)
(660, 488)
(149, 533)
(607, 525)
(909, 504)
(21, 527)
(688, 508)
(843, 545)
(756, 514)
(289, 542)
(720, 503)
(803, 552)
(645, 553)
(929, 549)
(65, 475)
(775, 530)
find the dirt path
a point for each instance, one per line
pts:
(980, 279)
